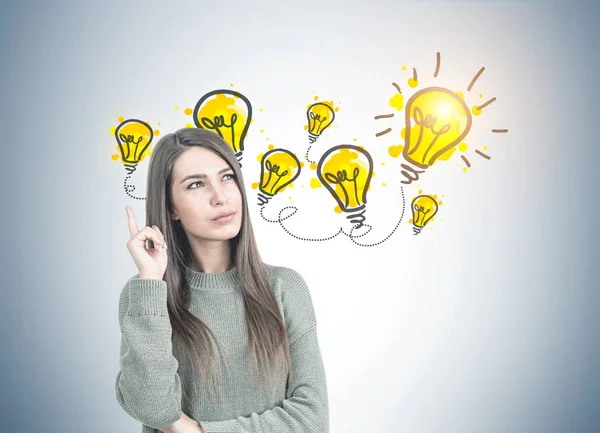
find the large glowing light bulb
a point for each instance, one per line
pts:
(279, 168)
(346, 171)
(228, 113)
(437, 119)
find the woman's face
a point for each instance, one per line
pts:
(203, 187)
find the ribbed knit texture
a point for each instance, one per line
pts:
(154, 379)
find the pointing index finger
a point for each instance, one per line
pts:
(133, 227)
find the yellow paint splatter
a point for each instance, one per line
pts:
(115, 156)
(306, 127)
(121, 118)
(315, 183)
(156, 132)
(383, 163)
(337, 109)
(404, 68)
(149, 154)
(316, 97)
(271, 147)
(260, 157)
(465, 169)
(116, 111)
(291, 185)
(267, 138)
(254, 185)
(261, 110)
(403, 133)
(463, 147)
(420, 191)
(461, 94)
(337, 209)
(481, 95)
(484, 147)
(383, 184)
(410, 221)
(301, 164)
(475, 110)
(189, 125)
(176, 108)
(412, 82)
(112, 130)
(188, 111)
(395, 151)
(313, 165)
(231, 85)
(397, 101)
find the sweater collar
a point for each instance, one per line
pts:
(226, 281)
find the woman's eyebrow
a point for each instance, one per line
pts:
(202, 176)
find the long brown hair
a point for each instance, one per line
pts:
(267, 335)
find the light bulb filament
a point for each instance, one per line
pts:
(342, 176)
(129, 140)
(429, 123)
(219, 122)
(273, 169)
(315, 129)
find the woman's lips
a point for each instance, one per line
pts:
(224, 218)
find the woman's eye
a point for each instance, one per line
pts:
(233, 176)
(190, 187)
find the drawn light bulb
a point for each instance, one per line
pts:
(133, 136)
(320, 116)
(346, 171)
(228, 113)
(279, 168)
(424, 207)
(437, 119)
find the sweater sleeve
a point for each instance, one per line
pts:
(305, 408)
(147, 386)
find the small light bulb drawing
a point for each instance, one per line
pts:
(424, 207)
(320, 116)
(279, 168)
(346, 171)
(133, 137)
(228, 113)
(437, 119)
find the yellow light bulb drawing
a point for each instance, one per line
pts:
(279, 168)
(134, 137)
(437, 119)
(320, 116)
(424, 207)
(346, 171)
(228, 113)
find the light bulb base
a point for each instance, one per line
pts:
(130, 167)
(357, 217)
(312, 138)
(263, 199)
(417, 230)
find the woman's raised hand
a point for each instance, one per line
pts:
(151, 263)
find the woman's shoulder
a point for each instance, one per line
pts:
(285, 274)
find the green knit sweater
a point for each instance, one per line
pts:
(153, 376)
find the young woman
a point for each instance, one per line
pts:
(201, 285)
